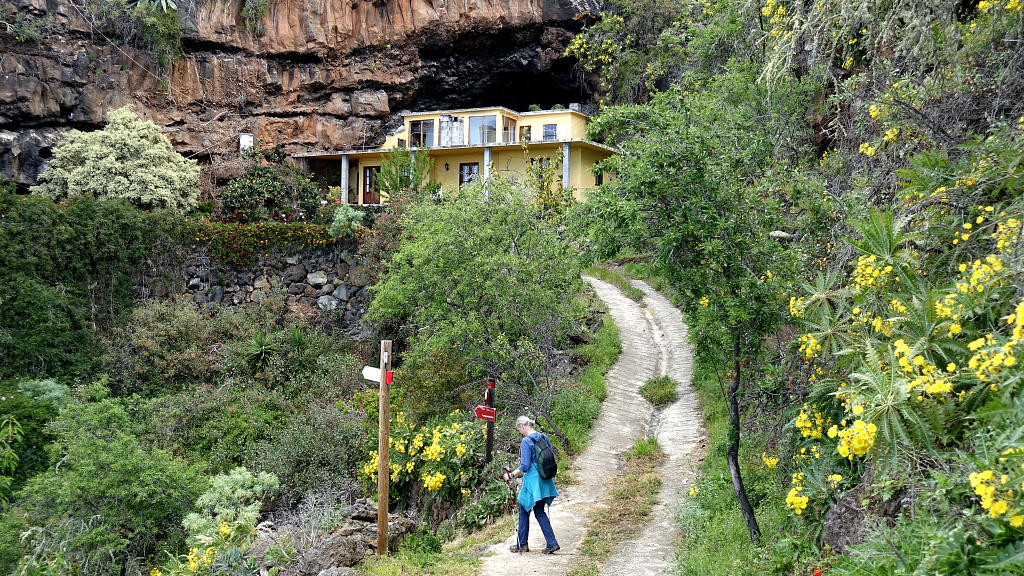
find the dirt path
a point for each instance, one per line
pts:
(653, 343)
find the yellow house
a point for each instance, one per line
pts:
(470, 144)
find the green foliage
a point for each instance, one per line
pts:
(221, 427)
(490, 503)
(129, 159)
(66, 274)
(31, 404)
(631, 44)
(320, 448)
(232, 498)
(484, 275)
(659, 391)
(645, 446)
(277, 191)
(404, 172)
(10, 434)
(253, 11)
(423, 541)
(238, 243)
(109, 501)
(166, 347)
(347, 221)
(434, 383)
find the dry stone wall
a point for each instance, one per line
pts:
(325, 281)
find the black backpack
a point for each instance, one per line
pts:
(544, 456)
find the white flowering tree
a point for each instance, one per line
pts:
(129, 159)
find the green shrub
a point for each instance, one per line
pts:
(110, 501)
(129, 159)
(220, 427)
(659, 391)
(491, 503)
(33, 404)
(347, 221)
(319, 448)
(166, 347)
(271, 192)
(66, 275)
(423, 541)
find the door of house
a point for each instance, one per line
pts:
(371, 194)
(468, 172)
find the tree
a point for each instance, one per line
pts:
(486, 275)
(128, 159)
(709, 233)
(108, 501)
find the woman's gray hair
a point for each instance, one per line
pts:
(524, 421)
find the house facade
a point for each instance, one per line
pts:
(471, 144)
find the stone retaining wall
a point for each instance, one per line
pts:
(329, 281)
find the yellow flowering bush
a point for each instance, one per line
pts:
(810, 422)
(440, 457)
(855, 440)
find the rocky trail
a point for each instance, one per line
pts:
(654, 343)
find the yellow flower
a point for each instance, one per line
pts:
(224, 530)
(693, 491)
(769, 462)
(835, 479)
(858, 409)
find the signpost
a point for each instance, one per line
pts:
(382, 375)
(488, 413)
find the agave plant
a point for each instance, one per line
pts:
(161, 5)
(259, 349)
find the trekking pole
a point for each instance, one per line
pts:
(511, 504)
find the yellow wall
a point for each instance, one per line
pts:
(449, 179)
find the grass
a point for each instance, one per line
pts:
(659, 391)
(626, 505)
(576, 406)
(620, 281)
(715, 538)
(460, 557)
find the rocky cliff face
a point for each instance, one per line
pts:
(309, 75)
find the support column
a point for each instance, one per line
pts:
(485, 170)
(565, 165)
(344, 178)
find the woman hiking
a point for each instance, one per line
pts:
(535, 491)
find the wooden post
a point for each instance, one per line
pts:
(489, 401)
(383, 471)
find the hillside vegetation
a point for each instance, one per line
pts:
(832, 191)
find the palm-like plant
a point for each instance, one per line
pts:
(883, 389)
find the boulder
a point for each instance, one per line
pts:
(316, 279)
(326, 303)
(261, 283)
(364, 509)
(341, 293)
(294, 273)
(332, 552)
(298, 288)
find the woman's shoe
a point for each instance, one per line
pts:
(517, 549)
(551, 549)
